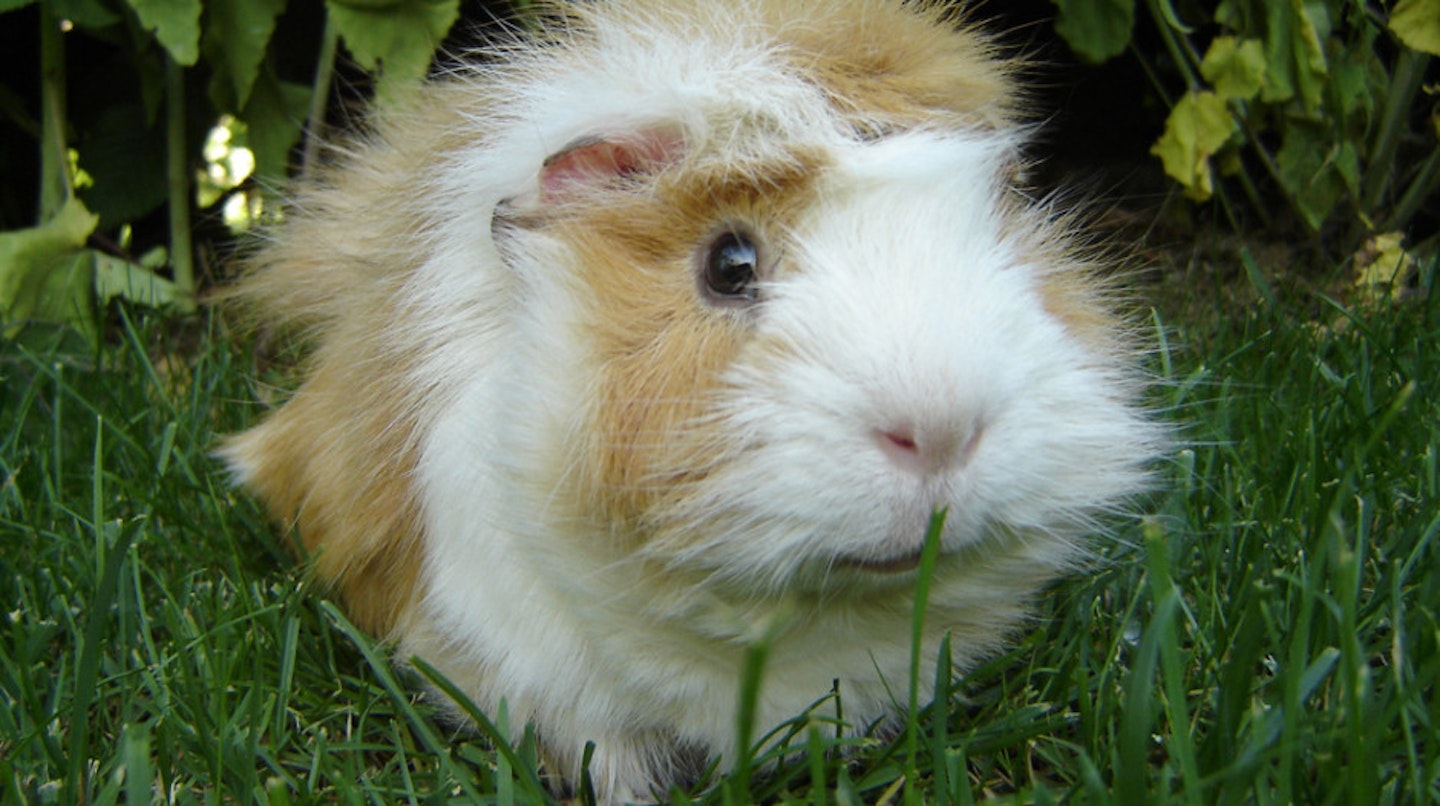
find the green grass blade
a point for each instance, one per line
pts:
(925, 573)
(381, 668)
(498, 737)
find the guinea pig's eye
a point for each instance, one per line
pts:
(732, 264)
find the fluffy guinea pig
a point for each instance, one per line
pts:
(668, 326)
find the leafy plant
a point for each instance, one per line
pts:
(1322, 101)
(124, 142)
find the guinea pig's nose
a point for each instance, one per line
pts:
(928, 451)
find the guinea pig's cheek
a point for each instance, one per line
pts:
(657, 359)
(1071, 301)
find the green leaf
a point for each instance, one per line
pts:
(1198, 127)
(1096, 30)
(176, 24)
(1358, 78)
(1315, 170)
(45, 274)
(274, 119)
(124, 154)
(1294, 55)
(1235, 67)
(1417, 23)
(1232, 16)
(1383, 267)
(240, 30)
(398, 40)
(121, 278)
(11, 5)
(91, 14)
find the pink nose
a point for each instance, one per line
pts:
(928, 453)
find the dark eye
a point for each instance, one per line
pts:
(731, 266)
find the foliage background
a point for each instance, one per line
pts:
(1322, 105)
(1270, 634)
(108, 109)
(1314, 118)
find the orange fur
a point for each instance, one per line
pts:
(360, 526)
(643, 322)
(902, 69)
(1078, 286)
(879, 65)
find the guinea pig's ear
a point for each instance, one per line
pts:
(583, 166)
(604, 161)
(592, 163)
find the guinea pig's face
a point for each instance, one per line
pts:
(797, 358)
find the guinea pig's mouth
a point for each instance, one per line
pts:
(887, 565)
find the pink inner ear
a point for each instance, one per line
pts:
(590, 162)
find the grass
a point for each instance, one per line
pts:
(1267, 634)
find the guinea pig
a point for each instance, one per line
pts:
(668, 326)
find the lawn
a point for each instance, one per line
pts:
(1267, 632)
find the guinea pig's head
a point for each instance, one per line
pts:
(778, 316)
(781, 357)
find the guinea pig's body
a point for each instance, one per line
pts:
(672, 332)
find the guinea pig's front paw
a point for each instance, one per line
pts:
(629, 770)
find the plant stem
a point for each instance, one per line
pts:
(1421, 189)
(1405, 82)
(319, 96)
(182, 252)
(55, 183)
(1186, 60)
(1247, 184)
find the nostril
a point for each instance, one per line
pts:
(930, 453)
(903, 440)
(901, 447)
